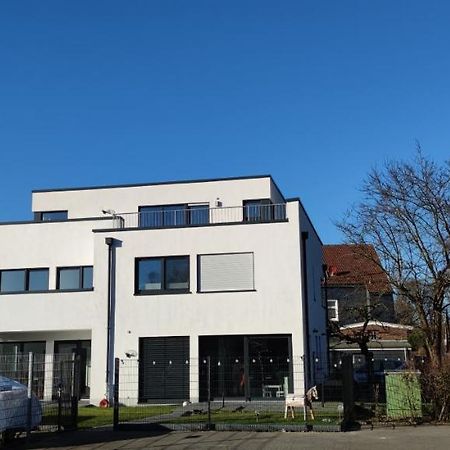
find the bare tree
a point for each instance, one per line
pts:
(405, 215)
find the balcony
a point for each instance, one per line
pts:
(200, 215)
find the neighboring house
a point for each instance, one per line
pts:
(355, 281)
(357, 290)
(226, 268)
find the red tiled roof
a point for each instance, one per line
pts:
(354, 265)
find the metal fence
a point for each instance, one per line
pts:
(263, 394)
(197, 215)
(377, 396)
(38, 392)
(211, 393)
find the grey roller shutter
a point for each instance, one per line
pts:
(164, 368)
(226, 272)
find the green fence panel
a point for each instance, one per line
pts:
(403, 396)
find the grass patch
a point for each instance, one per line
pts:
(91, 417)
(247, 417)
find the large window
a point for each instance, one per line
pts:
(162, 275)
(173, 215)
(333, 310)
(50, 216)
(226, 272)
(263, 211)
(74, 278)
(23, 280)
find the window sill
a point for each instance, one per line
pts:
(53, 291)
(74, 290)
(166, 292)
(226, 292)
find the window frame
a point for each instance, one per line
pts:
(80, 279)
(258, 202)
(335, 307)
(186, 208)
(26, 280)
(164, 290)
(39, 214)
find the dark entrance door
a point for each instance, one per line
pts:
(65, 351)
(163, 368)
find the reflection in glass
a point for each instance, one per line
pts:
(38, 280)
(69, 278)
(177, 273)
(12, 281)
(150, 274)
(88, 277)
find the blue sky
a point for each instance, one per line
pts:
(313, 92)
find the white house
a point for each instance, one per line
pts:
(175, 271)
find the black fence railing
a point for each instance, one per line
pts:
(38, 392)
(198, 215)
(218, 393)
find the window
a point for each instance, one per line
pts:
(162, 275)
(198, 214)
(50, 216)
(226, 272)
(173, 215)
(37, 279)
(23, 280)
(333, 312)
(258, 210)
(75, 278)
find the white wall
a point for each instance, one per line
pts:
(90, 202)
(274, 308)
(316, 307)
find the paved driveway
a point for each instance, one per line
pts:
(410, 438)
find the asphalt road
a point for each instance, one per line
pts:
(410, 438)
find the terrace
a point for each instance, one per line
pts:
(178, 216)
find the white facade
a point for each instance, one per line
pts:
(276, 305)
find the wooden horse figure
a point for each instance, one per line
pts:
(305, 402)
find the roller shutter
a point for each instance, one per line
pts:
(226, 272)
(164, 368)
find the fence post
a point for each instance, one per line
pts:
(208, 368)
(116, 394)
(60, 386)
(349, 401)
(75, 391)
(29, 394)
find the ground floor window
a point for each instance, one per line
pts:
(14, 362)
(66, 352)
(247, 366)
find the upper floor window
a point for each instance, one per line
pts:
(162, 275)
(75, 278)
(333, 310)
(23, 280)
(50, 216)
(226, 272)
(173, 215)
(263, 211)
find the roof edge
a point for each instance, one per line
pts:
(379, 323)
(159, 183)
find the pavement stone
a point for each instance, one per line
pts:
(407, 437)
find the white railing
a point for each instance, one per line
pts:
(200, 216)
